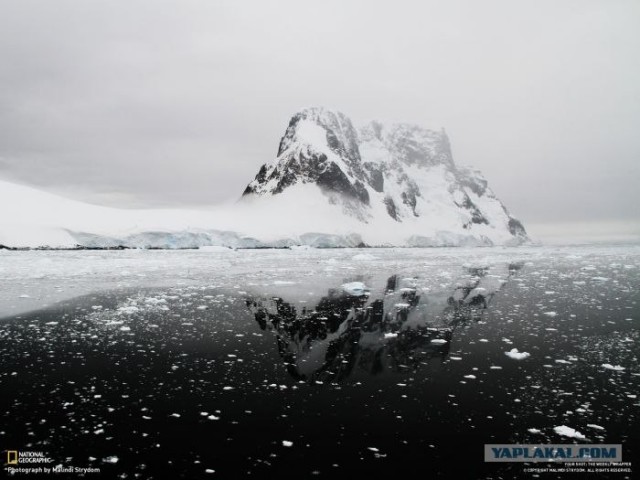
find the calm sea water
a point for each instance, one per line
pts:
(375, 375)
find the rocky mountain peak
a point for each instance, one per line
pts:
(403, 171)
(340, 135)
(409, 144)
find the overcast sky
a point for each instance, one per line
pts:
(156, 103)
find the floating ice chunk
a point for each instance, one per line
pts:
(495, 367)
(357, 289)
(373, 449)
(439, 341)
(124, 328)
(227, 388)
(563, 361)
(24, 295)
(534, 430)
(594, 426)
(287, 443)
(213, 417)
(402, 306)
(550, 314)
(390, 335)
(568, 432)
(516, 355)
(455, 358)
(111, 459)
(283, 282)
(175, 415)
(471, 377)
(210, 470)
(616, 368)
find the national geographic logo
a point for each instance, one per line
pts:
(15, 457)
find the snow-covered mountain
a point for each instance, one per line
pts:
(329, 186)
(401, 177)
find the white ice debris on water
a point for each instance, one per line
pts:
(534, 430)
(438, 341)
(616, 368)
(390, 335)
(516, 355)
(287, 443)
(594, 426)
(568, 432)
(128, 310)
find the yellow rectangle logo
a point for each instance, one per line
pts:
(12, 457)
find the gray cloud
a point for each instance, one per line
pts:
(175, 103)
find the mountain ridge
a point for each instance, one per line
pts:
(330, 185)
(378, 163)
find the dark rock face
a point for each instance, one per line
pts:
(338, 170)
(476, 215)
(414, 145)
(516, 228)
(333, 179)
(375, 176)
(391, 207)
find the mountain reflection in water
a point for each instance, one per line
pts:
(404, 328)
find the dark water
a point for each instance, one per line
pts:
(405, 380)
